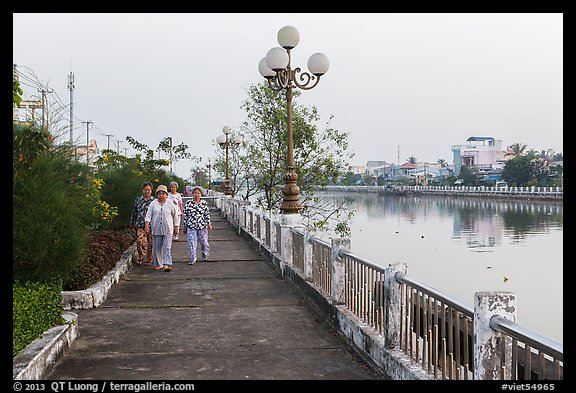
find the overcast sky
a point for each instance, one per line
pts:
(402, 82)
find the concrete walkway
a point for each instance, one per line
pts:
(230, 318)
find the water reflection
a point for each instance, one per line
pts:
(461, 245)
(488, 219)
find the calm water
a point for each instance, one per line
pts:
(464, 245)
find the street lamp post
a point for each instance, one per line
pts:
(223, 141)
(276, 68)
(209, 165)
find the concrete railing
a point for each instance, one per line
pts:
(406, 328)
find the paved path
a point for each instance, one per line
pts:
(231, 317)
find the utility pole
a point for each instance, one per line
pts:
(71, 88)
(118, 147)
(87, 143)
(108, 135)
(44, 110)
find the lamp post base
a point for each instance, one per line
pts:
(227, 188)
(290, 203)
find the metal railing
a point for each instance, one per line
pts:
(321, 264)
(533, 357)
(298, 249)
(278, 237)
(436, 330)
(267, 231)
(364, 290)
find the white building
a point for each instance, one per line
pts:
(482, 152)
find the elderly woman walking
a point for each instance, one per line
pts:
(196, 225)
(175, 197)
(161, 222)
(143, 239)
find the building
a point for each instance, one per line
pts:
(81, 151)
(482, 152)
(376, 168)
(358, 169)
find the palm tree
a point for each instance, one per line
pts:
(412, 160)
(442, 162)
(517, 148)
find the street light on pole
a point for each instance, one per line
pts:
(224, 142)
(276, 68)
(209, 166)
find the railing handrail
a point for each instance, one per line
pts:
(319, 241)
(511, 328)
(348, 254)
(202, 197)
(446, 299)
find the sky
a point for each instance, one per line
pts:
(400, 84)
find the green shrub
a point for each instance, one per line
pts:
(36, 307)
(49, 221)
(121, 187)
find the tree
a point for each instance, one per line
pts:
(517, 170)
(241, 177)
(412, 160)
(198, 176)
(148, 163)
(175, 152)
(320, 155)
(442, 162)
(351, 179)
(468, 175)
(517, 148)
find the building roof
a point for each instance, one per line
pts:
(480, 138)
(375, 163)
(408, 165)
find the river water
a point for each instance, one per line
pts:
(463, 245)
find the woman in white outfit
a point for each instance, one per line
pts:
(175, 197)
(161, 222)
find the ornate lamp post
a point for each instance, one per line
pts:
(209, 166)
(223, 141)
(276, 68)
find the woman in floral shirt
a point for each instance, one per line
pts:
(143, 239)
(196, 225)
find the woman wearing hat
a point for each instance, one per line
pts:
(162, 222)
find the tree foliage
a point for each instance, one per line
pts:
(16, 93)
(320, 155)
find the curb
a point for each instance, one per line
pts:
(37, 359)
(95, 295)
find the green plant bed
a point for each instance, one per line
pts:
(36, 307)
(104, 249)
